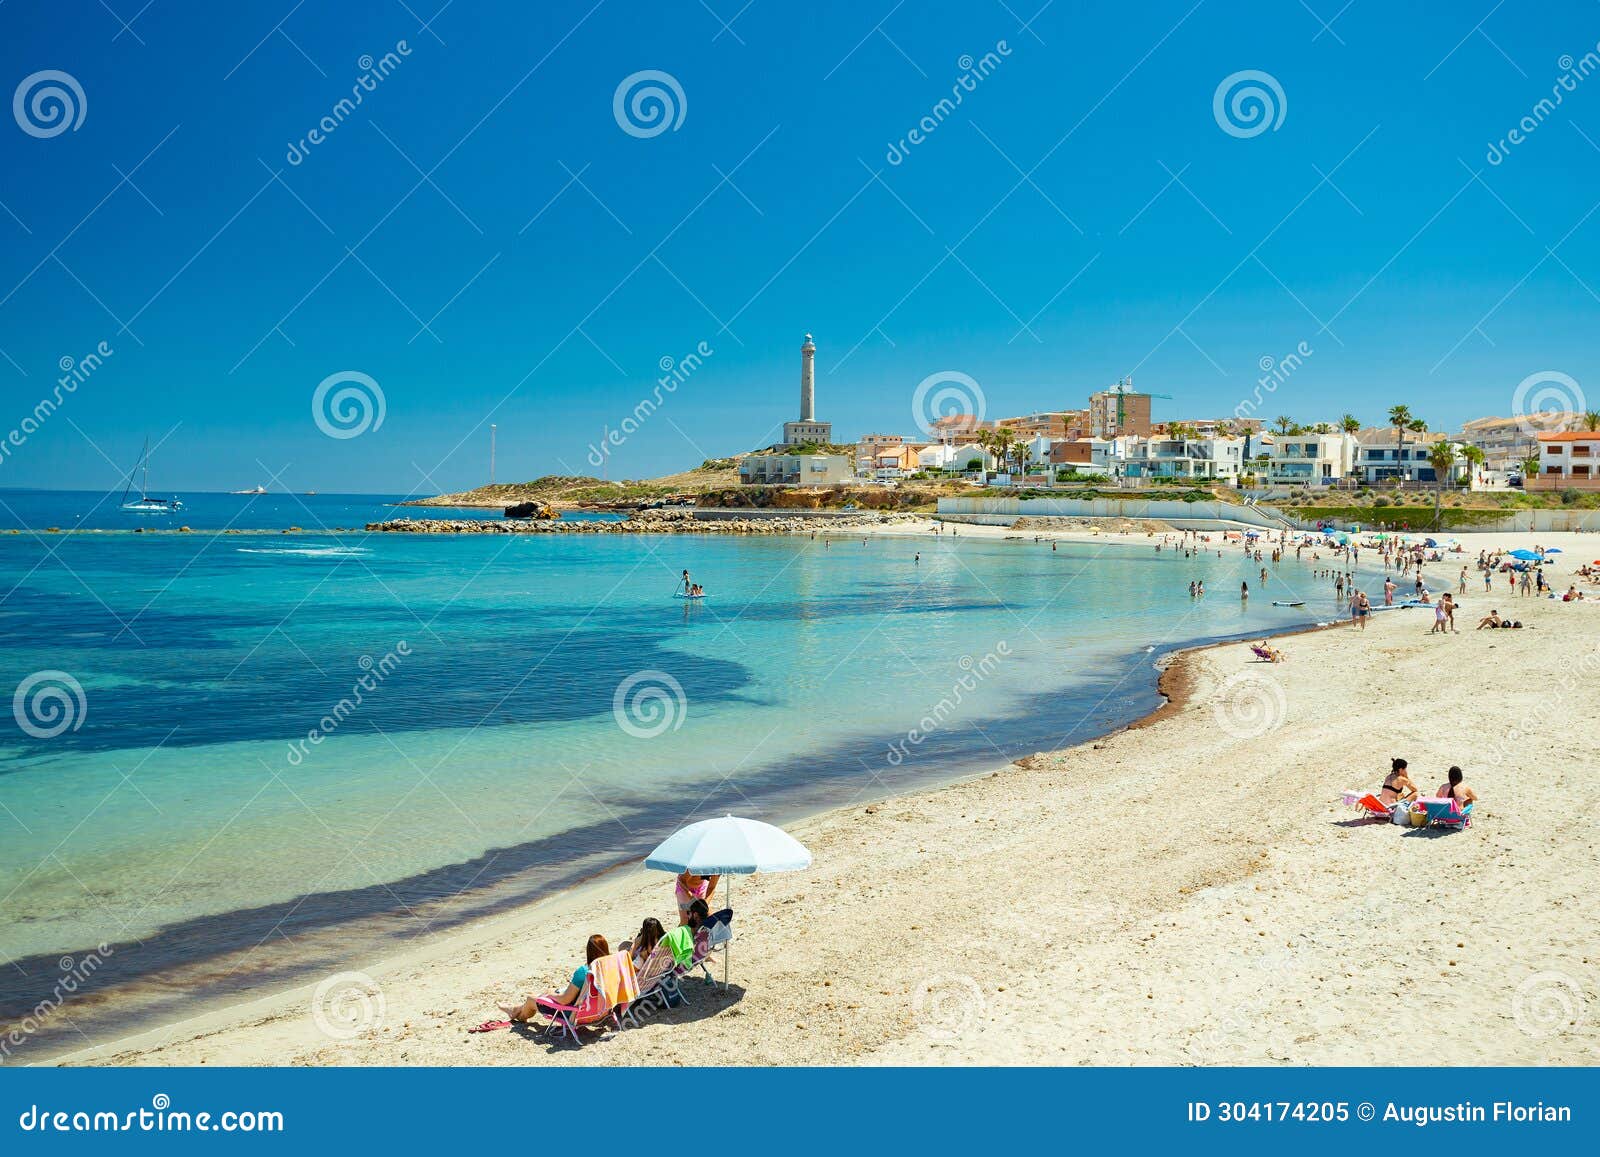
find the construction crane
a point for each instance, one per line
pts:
(1122, 389)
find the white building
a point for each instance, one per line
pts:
(1208, 459)
(1568, 459)
(795, 469)
(1310, 459)
(1380, 456)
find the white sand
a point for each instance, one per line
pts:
(1170, 894)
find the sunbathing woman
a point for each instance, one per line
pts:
(595, 949)
(1457, 789)
(640, 947)
(690, 888)
(1398, 785)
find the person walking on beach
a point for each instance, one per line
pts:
(1461, 587)
(1527, 583)
(1363, 609)
(1388, 592)
(1450, 613)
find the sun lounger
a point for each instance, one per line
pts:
(1267, 654)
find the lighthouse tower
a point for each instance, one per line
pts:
(807, 429)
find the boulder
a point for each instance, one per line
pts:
(531, 510)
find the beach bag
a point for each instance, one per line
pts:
(1400, 814)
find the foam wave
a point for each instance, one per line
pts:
(308, 551)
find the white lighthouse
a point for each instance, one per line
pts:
(807, 429)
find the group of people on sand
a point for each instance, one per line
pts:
(694, 912)
(1398, 786)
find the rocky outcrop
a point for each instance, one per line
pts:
(531, 510)
(644, 522)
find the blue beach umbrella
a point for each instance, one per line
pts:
(1524, 555)
(1552, 550)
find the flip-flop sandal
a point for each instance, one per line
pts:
(491, 1026)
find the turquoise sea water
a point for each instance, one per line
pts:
(160, 792)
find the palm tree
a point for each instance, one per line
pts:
(1349, 423)
(1003, 440)
(1442, 457)
(985, 439)
(1400, 419)
(1591, 421)
(1474, 458)
(1283, 422)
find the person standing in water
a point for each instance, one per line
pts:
(1244, 592)
(688, 587)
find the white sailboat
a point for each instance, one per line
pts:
(145, 504)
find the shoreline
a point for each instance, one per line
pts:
(282, 1028)
(1172, 679)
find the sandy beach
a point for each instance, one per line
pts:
(1190, 890)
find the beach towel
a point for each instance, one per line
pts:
(616, 978)
(681, 941)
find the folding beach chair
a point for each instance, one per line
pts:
(607, 991)
(713, 937)
(658, 984)
(1369, 803)
(1448, 813)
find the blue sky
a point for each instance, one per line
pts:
(1080, 216)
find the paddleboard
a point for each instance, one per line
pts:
(1299, 604)
(681, 595)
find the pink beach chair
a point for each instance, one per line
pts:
(608, 990)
